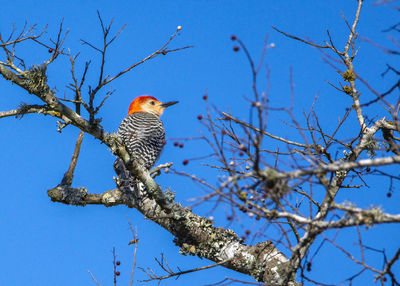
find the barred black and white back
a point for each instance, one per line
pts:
(143, 134)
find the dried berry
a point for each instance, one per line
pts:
(309, 266)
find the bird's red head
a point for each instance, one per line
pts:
(150, 104)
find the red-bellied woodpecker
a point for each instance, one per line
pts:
(142, 131)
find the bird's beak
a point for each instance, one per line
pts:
(169, 103)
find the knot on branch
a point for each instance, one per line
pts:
(68, 195)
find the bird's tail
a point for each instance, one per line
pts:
(126, 181)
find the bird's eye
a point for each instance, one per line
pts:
(152, 103)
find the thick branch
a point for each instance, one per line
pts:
(194, 234)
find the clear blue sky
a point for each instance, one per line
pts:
(44, 243)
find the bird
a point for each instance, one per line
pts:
(142, 131)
